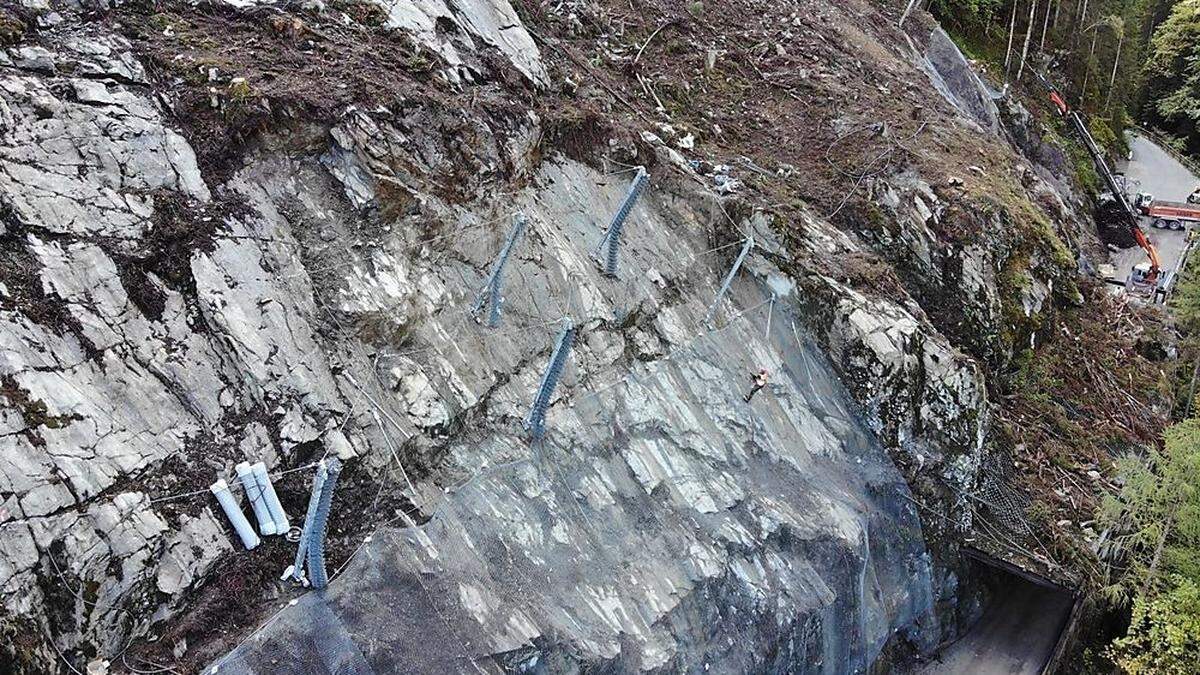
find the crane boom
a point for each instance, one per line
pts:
(1128, 213)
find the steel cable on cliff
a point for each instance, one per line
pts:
(437, 500)
(869, 170)
(698, 336)
(115, 424)
(679, 514)
(444, 492)
(414, 245)
(426, 242)
(440, 499)
(554, 234)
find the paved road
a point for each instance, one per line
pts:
(1153, 170)
(1015, 636)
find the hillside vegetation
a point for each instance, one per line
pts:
(1171, 85)
(1124, 63)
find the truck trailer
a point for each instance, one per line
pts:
(1166, 215)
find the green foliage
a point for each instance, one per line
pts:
(977, 27)
(1157, 521)
(1156, 516)
(1185, 307)
(968, 11)
(1107, 138)
(1175, 41)
(1078, 44)
(1040, 513)
(1080, 161)
(1034, 378)
(1172, 74)
(1085, 167)
(1164, 636)
(1185, 302)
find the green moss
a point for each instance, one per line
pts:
(1040, 512)
(197, 74)
(1047, 240)
(12, 29)
(366, 13)
(239, 89)
(1013, 276)
(1081, 161)
(1058, 459)
(419, 62)
(1035, 248)
(1029, 377)
(875, 217)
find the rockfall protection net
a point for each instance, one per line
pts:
(997, 499)
(630, 539)
(626, 533)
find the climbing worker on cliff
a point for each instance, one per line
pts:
(757, 381)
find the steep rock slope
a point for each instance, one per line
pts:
(268, 252)
(663, 523)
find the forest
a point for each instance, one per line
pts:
(1126, 63)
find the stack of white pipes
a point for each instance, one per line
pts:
(269, 513)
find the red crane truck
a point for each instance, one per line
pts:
(1148, 277)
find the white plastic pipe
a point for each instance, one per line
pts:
(268, 491)
(234, 514)
(266, 524)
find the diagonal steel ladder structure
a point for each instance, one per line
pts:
(491, 295)
(612, 236)
(310, 551)
(318, 576)
(535, 424)
(737, 265)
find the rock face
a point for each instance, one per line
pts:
(456, 27)
(156, 329)
(952, 75)
(97, 393)
(664, 523)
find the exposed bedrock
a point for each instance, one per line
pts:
(159, 325)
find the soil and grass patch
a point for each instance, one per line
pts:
(180, 228)
(240, 72)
